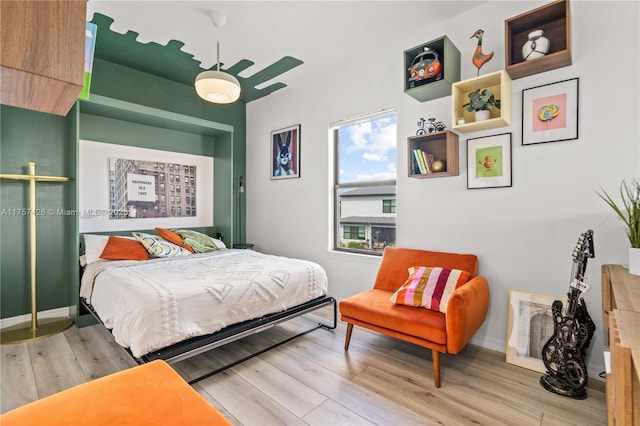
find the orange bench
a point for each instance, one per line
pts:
(442, 333)
(149, 394)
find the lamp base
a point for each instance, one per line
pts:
(23, 333)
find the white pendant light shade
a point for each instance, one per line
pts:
(218, 87)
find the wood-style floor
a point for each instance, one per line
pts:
(312, 381)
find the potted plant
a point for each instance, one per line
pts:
(629, 211)
(482, 101)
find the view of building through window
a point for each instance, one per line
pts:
(365, 183)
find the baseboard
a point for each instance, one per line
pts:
(51, 313)
(594, 368)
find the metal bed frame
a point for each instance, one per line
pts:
(200, 344)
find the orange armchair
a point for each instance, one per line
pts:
(442, 333)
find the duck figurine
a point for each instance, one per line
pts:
(479, 58)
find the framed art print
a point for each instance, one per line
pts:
(550, 112)
(128, 188)
(285, 153)
(530, 325)
(489, 161)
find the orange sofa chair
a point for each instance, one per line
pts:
(442, 333)
(149, 394)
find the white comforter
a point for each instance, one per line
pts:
(152, 304)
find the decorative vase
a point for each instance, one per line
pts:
(536, 46)
(439, 166)
(634, 261)
(483, 115)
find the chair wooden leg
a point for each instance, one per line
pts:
(436, 366)
(348, 337)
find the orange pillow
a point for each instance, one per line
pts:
(174, 238)
(118, 248)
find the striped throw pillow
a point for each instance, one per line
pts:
(429, 287)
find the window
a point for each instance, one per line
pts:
(389, 206)
(365, 177)
(353, 232)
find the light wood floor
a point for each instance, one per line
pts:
(312, 381)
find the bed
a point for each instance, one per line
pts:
(174, 307)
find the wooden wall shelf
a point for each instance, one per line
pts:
(554, 20)
(442, 145)
(499, 83)
(433, 88)
(42, 55)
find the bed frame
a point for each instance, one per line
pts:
(197, 345)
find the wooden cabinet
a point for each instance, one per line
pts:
(621, 318)
(499, 83)
(555, 22)
(443, 146)
(42, 54)
(447, 56)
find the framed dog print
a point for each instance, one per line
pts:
(489, 161)
(550, 112)
(285, 153)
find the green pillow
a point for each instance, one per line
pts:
(201, 243)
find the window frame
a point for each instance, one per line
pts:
(391, 205)
(337, 187)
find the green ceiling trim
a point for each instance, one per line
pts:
(172, 63)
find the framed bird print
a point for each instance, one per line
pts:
(489, 161)
(285, 153)
(550, 112)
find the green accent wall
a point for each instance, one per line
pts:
(47, 140)
(158, 113)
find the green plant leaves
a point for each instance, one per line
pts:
(481, 99)
(629, 208)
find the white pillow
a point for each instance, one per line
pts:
(219, 243)
(93, 246)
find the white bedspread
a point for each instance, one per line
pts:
(152, 304)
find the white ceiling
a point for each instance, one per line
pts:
(319, 33)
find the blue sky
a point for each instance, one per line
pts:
(368, 149)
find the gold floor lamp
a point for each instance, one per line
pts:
(26, 332)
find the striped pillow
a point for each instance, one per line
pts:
(429, 287)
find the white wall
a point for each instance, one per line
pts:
(523, 235)
(364, 206)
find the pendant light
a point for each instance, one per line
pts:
(217, 86)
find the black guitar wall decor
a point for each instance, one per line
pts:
(564, 354)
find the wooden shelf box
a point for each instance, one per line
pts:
(433, 88)
(555, 21)
(442, 145)
(42, 55)
(499, 83)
